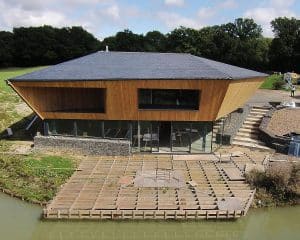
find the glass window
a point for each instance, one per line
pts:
(117, 129)
(61, 127)
(168, 99)
(201, 137)
(89, 128)
(181, 136)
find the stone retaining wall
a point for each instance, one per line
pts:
(91, 146)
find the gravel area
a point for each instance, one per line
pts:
(263, 96)
(285, 121)
(235, 121)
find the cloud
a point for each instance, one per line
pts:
(30, 15)
(282, 3)
(173, 20)
(177, 3)
(265, 14)
(206, 13)
(113, 11)
(93, 15)
(228, 4)
(203, 16)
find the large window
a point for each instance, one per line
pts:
(169, 99)
(73, 100)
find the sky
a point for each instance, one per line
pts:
(106, 17)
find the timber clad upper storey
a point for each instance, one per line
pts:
(137, 86)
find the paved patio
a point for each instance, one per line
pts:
(105, 187)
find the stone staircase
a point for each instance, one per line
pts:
(247, 136)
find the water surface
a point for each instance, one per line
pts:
(20, 220)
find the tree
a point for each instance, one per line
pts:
(243, 28)
(284, 50)
(6, 49)
(155, 41)
(129, 41)
(48, 45)
(183, 40)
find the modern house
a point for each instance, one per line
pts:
(159, 102)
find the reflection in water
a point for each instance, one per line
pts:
(21, 221)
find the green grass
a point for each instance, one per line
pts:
(268, 83)
(34, 178)
(8, 98)
(7, 73)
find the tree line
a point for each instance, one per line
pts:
(240, 43)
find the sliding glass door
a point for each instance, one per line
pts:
(181, 141)
(177, 137)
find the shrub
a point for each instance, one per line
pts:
(281, 181)
(278, 84)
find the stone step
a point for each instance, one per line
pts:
(248, 125)
(247, 139)
(257, 113)
(249, 130)
(252, 145)
(254, 118)
(247, 134)
(260, 108)
(252, 121)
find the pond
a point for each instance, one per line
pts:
(20, 220)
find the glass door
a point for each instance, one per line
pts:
(180, 137)
(201, 137)
(164, 137)
(155, 137)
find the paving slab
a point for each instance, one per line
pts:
(153, 187)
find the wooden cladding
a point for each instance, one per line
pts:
(238, 92)
(121, 98)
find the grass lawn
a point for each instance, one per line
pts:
(12, 108)
(6, 73)
(33, 177)
(268, 83)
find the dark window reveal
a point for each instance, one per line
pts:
(169, 99)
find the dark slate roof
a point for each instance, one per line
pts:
(139, 65)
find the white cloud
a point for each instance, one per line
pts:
(206, 13)
(228, 4)
(173, 20)
(177, 3)
(16, 17)
(268, 12)
(282, 3)
(113, 11)
(93, 15)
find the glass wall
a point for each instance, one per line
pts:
(89, 128)
(145, 136)
(201, 137)
(181, 136)
(117, 129)
(61, 127)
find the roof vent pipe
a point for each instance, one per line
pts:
(106, 48)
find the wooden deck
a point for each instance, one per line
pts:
(97, 190)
